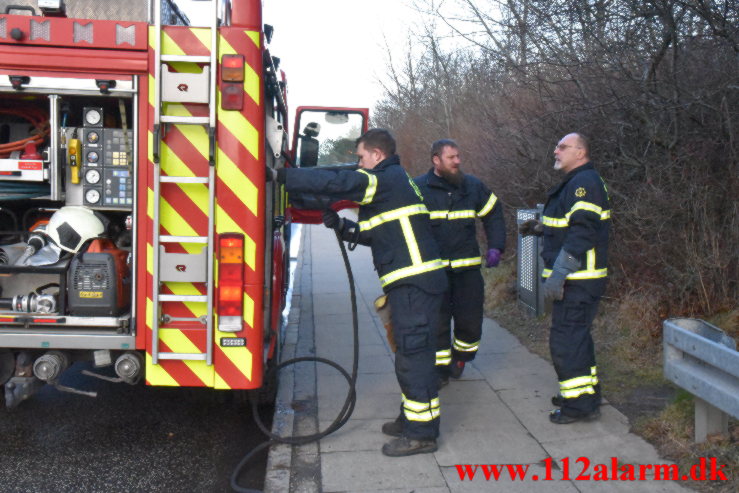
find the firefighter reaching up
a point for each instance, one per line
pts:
(394, 223)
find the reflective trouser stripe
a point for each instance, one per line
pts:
(466, 347)
(444, 357)
(575, 387)
(594, 375)
(421, 411)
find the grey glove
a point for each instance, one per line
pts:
(554, 285)
(531, 227)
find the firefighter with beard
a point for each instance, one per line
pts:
(575, 226)
(455, 201)
(394, 223)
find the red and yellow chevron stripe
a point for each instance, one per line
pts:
(184, 208)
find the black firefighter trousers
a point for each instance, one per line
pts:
(462, 303)
(415, 319)
(573, 352)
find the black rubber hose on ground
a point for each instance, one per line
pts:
(346, 410)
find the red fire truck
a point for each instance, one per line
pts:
(136, 228)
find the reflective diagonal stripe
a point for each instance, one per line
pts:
(469, 214)
(392, 215)
(466, 347)
(421, 411)
(369, 194)
(444, 357)
(465, 262)
(412, 270)
(488, 205)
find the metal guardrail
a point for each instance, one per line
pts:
(530, 265)
(703, 360)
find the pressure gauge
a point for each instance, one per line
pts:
(92, 137)
(92, 196)
(92, 157)
(93, 117)
(92, 176)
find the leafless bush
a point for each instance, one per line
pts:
(654, 83)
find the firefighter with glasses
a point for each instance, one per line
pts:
(575, 225)
(456, 200)
(395, 223)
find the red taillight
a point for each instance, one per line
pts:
(232, 82)
(230, 282)
(232, 68)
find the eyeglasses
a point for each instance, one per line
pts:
(562, 147)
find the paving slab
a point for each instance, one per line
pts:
(496, 415)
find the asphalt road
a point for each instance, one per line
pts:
(128, 439)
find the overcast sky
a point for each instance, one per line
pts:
(333, 51)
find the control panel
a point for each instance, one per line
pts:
(107, 155)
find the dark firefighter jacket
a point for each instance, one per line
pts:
(453, 214)
(577, 217)
(393, 220)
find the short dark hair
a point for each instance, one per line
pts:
(584, 143)
(438, 146)
(378, 138)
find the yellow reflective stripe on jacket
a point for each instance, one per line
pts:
(468, 214)
(412, 270)
(581, 274)
(421, 411)
(466, 347)
(465, 262)
(410, 240)
(488, 206)
(392, 215)
(444, 357)
(590, 272)
(563, 222)
(369, 194)
(438, 214)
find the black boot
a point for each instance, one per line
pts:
(404, 446)
(393, 428)
(456, 368)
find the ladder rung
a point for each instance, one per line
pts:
(183, 179)
(183, 239)
(191, 298)
(186, 120)
(183, 356)
(186, 58)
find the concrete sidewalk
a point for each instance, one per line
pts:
(497, 413)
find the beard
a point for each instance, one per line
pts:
(453, 177)
(557, 165)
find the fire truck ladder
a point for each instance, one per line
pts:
(168, 267)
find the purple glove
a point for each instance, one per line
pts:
(492, 258)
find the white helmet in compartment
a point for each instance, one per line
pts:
(71, 226)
